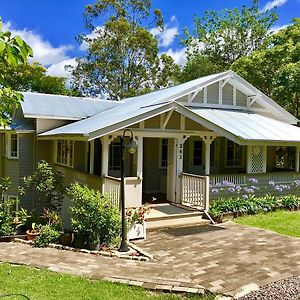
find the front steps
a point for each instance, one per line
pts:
(168, 215)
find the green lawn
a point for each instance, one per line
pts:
(281, 221)
(42, 284)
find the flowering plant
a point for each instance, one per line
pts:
(136, 214)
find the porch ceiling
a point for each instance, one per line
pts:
(248, 128)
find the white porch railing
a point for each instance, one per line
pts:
(263, 178)
(111, 186)
(195, 190)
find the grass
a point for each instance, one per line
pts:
(281, 221)
(43, 284)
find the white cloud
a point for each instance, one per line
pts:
(43, 51)
(96, 33)
(173, 19)
(59, 68)
(274, 3)
(179, 55)
(166, 37)
(275, 29)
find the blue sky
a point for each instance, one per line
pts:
(50, 26)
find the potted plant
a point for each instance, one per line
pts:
(136, 222)
(33, 232)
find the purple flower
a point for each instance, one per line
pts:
(297, 182)
(214, 190)
(250, 191)
(272, 182)
(253, 180)
(245, 197)
(228, 183)
(266, 209)
(238, 188)
(286, 187)
(231, 189)
(278, 188)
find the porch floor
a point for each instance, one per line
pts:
(169, 215)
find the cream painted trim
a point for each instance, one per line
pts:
(167, 118)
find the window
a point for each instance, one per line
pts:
(234, 154)
(163, 162)
(65, 152)
(115, 156)
(198, 150)
(12, 144)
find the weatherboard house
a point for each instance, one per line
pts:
(190, 138)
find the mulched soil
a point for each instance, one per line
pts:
(285, 289)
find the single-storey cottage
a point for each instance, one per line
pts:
(202, 133)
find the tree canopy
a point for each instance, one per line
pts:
(33, 78)
(13, 52)
(275, 69)
(222, 37)
(123, 57)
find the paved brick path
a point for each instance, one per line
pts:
(230, 259)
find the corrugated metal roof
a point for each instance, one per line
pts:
(250, 126)
(243, 125)
(131, 107)
(104, 120)
(56, 106)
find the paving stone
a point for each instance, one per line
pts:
(230, 258)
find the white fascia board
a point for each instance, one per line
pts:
(140, 118)
(51, 117)
(72, 137)
(244, 142)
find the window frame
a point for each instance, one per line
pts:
(161, 166)
(111, 166)
(70, 155)
(8, 143)
(200, 156)
(242, 165)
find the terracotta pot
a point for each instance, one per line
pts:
(31, 235)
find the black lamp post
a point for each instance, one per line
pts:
(131, 149)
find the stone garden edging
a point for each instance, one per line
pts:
(143, 256)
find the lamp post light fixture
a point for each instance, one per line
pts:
(131, 147)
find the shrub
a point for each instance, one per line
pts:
(290, 202)
(47, 235)
(47, 185)
(93, 216)
(53, 219)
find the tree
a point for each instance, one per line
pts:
(13, 51)
(123, 58)
(32, 77)
(222, 37)
(275, 69)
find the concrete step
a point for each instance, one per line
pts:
(188, 214)
(192, 219)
